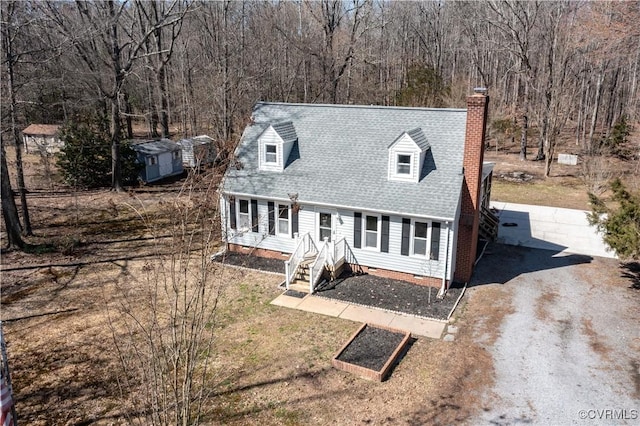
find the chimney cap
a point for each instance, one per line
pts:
(480, 90)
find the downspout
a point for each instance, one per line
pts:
(446, 263)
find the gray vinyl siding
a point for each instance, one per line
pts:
(260, 239)
(308, 223)
(394, 260)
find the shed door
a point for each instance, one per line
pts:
(165, 163)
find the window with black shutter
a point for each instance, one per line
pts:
(406, 236)
(272, 218)
(385, 235)
(254, 215)
(357, 230)
(435, 240)
(232, 213)
(294, 222)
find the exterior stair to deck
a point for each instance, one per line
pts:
(301, 281)
(488, 229)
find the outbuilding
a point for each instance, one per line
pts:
(198, 151)
(161, 158)
(42, 138)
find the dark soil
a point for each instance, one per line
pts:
(371, 348)
(253, 262)
(392, 295)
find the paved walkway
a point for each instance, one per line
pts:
(335, 308)
(549, 228)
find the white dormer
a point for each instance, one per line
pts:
(406, 156)
(275, 144)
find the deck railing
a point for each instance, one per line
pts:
(316, 268)
(305, 245)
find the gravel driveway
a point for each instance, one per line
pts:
(569, 353)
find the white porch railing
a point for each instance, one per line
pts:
(316, 268)
(304, 246)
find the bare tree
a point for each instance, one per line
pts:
(166, 343)
(108, 41)
(9, 210)
(10, 31)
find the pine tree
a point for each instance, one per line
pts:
(619, 222)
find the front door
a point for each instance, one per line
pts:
(324, 227)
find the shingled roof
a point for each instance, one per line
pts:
(341, 158)
(41, 129)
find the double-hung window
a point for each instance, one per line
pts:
(283, 219)
(244, 216)
(420, 238)
(270, 153)
(404, 164)
(371, 232)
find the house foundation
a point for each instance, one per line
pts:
(384, 273)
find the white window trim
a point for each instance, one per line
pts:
(397, 164)
(266, 154)
(278, 219)
(412, 252)
(238, 213)
(427, 256)
(363, 243)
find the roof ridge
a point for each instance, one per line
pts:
(362, 106)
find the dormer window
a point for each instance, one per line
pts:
(275, 144)
(404, 164)
(270, 155)
(406, 156)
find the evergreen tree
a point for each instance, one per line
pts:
(85, 160)
(620, 223)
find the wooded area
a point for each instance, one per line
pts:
(184, 67)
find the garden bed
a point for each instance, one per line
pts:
(372, 351)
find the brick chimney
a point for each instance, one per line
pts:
(470, 209)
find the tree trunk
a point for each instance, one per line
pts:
(523, 138)
(116, 169)
(9, 210)
(596, 106)
(10, 61)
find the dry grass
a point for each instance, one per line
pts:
(271, 365)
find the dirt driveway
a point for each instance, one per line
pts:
(569, 350)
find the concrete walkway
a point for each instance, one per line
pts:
(335, 308)
(549, 228)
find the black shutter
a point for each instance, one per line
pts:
(272, 218)
(357, 230)
(406, 235)
(254, 215)
(294, 221)
(385, 234)
(232, 213)
(435, 240)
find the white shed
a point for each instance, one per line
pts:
(198, 151)
(42, 138)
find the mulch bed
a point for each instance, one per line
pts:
(371, 348)
(253, 262)
(366, 290)
(392, 295)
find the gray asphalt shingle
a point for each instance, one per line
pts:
(341, 158)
